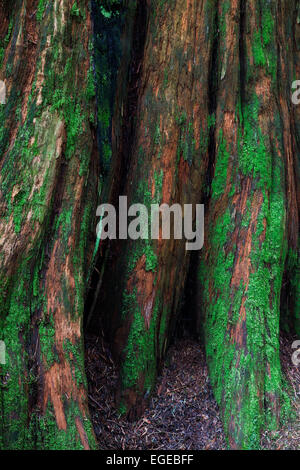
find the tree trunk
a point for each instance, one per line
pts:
(252, 216)
(161, 136)
(207, 117)
(201, 112)
(49, 177)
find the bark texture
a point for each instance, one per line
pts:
(48, 181)
(164, 157)
(201, 112)
(207, 117)
(253, 214)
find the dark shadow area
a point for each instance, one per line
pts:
(188, 322)
(122, 86)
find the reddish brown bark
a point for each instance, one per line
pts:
(48, 179)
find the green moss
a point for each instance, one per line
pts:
(91, 88)
(140, 356)
(41, 9)
(47, 341)
(145, 345)
(75, 356)
(75, 11)
(25, 320)
(268, 25)
(263, 47)
(51, 438)
(239, 371)
(254, 158)
(258, 51)
(222, 19)
(13, 394)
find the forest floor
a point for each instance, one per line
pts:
(182, 414)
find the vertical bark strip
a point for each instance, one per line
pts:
(48, 183)
(253, 193)
(205, 113)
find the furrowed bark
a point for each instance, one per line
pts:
(164, 160)
(253, 196)
(237, 113)
(202, 113)
(48, 183)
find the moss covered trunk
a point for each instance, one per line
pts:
(205, 116)
(48, 184)
(252, 222)
(201, 112)
(160, 155)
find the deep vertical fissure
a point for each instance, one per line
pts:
(121, 151)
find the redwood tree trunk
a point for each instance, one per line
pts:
(207, 117)
(252, 216)
(48, 182)
(160, 149)
(203, 114)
